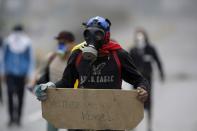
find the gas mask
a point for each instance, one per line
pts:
(95, 38)
(62, 48)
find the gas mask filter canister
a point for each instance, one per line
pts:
(89, 53)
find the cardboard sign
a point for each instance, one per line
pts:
(92, 109)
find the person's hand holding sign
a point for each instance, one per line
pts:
(142, 94)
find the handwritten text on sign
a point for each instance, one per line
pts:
(92, 109)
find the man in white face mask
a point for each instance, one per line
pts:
(144, 55)
(57, 61)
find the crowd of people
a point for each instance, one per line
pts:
(72, 65)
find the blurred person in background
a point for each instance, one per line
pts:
(144, 56)
(57, 61)
(18, 70)
(1, 60)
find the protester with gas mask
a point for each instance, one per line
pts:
(144, 56)
(57, 61)
(98, 64)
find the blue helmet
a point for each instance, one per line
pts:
(99, 22)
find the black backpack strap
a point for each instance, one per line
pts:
(118, 64)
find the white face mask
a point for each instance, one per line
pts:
(140, 41)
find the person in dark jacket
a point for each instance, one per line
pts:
(57, 61)
(144, 55)
(100, 64)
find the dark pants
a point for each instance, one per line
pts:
(15, 92)
(148, 103)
